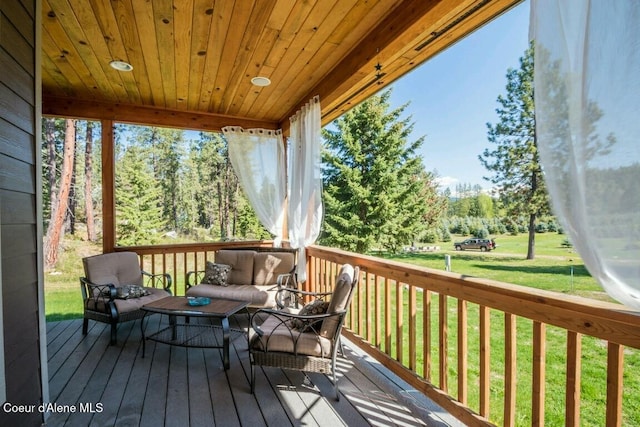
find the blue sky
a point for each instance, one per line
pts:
(453, 96)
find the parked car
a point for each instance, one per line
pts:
(483, 244)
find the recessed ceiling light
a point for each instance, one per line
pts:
(121, 65)
(261, 81)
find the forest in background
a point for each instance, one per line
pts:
(170, 184)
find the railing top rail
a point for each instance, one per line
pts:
(601, 319)
(193, 247)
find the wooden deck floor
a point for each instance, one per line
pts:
(175, 386)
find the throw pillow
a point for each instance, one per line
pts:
(314, 307)
(216, 274)
(128, 291)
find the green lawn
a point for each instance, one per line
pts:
(62, 297)
(554, 268)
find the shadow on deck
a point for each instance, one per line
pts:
(175, 386)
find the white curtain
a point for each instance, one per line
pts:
(257, 157)
(305, 181)
(587, 97)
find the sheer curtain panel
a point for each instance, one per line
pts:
(587, 99)
(305, 181)
(257, 157)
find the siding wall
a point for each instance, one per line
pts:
(20, 233)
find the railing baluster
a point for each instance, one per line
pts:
(444, 345)
(361, 319)
(510, 369)
(378, 313)
(615, 368)
(538, 383)
(164, 261)
(399, 321)
(426, 309)
(412, 328)
(462, 352)
(574, 352)
(387, 316)
(175, 275)
(367, 305)
(320, 287)
(485, 360)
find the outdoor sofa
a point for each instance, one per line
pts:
(253, 275)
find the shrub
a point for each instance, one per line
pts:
(482, 233)
(430, 236)
(446, 236)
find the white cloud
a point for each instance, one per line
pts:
(445, 182)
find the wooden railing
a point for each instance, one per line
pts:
(460, 341)
(487, 352)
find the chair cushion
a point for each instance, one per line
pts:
(279, 336)
(339, 299)
(216, 274)
(241, 263)
(267, 266)
(129, 304)
(117, 268)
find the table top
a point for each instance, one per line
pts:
(179, 306)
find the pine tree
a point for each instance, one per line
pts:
(138, 208)
(515, 161)
(375, 188)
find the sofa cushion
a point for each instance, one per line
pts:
(216, 274)
(258, 296)
(241, 263)
(267, 266)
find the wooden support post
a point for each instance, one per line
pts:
(108, 188)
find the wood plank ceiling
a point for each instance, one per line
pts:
(196, 58)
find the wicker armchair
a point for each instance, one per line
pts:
(114, 288)
(291, 339)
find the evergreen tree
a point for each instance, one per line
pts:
(138, 208)
(208, 153)
(514, 161)
(164, 148)
(375, 188)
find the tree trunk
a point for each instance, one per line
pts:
(221, 218)
(531, 247)
(88, 178)
(52, 239)
(225, 202)
(49, 135)
(234, 208)
(71, 211)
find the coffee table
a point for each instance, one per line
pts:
(194, 335)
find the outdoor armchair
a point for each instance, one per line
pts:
(114, 289)
(305, 339)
